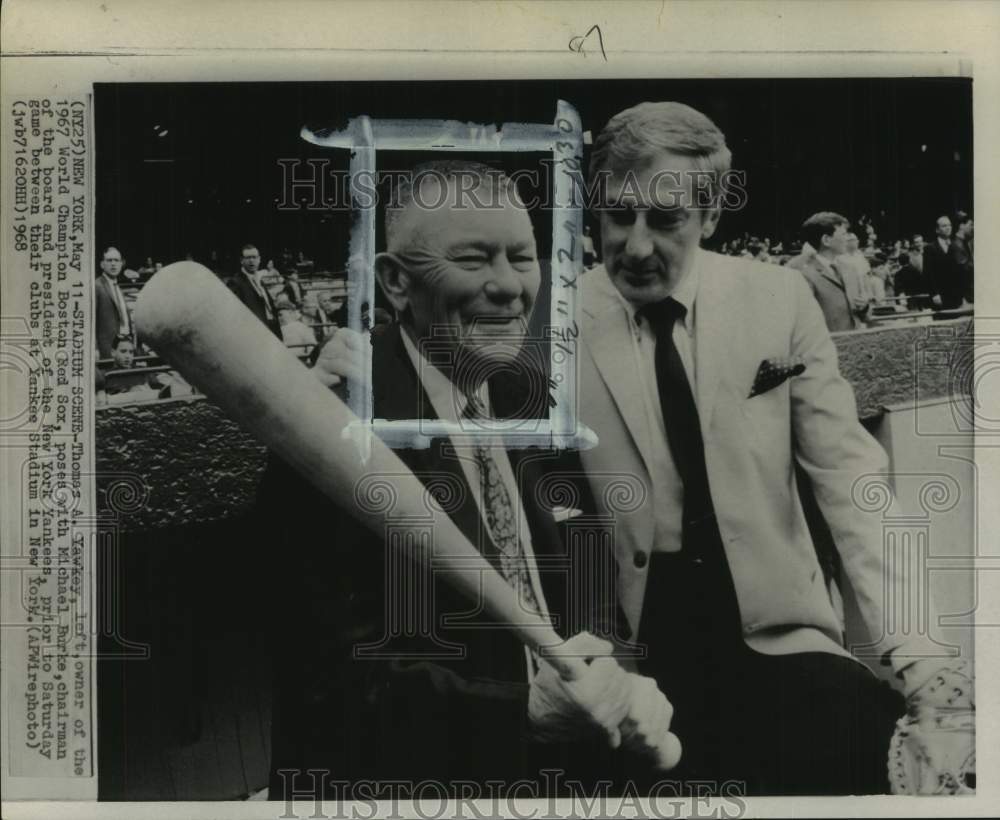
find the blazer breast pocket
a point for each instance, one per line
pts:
(767, 414)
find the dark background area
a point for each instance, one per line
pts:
(188, 168)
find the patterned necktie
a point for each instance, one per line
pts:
(263, 294)
(124, 320)
(500, 516)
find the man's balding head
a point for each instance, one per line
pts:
(461, 262)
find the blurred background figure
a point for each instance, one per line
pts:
(294, 332)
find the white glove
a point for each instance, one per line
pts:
(646, 730)
(598, 700)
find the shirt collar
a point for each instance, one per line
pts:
(448, 400)
(685, 292)
(826, 263)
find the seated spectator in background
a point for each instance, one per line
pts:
(315, 317)
(293, 289)
(304, 263)
(113, 388)
(841, 299)
(147, 267)
(960, 256)
(123, 353)
(759, 252)
(330, 306)
(875, 281)
(294, 332)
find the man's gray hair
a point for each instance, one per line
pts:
(471, 175)
(634, 135)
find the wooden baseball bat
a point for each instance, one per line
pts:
(191, 319)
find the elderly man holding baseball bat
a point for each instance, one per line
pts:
(385, 673)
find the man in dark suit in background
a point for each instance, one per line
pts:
(251, 291)
(112, 319)
(910, 281)
(961, 258)
(939, 270)
(459, 699)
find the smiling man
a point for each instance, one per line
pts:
(384, 676)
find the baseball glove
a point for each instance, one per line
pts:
(933, 750)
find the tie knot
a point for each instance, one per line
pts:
(665, 311)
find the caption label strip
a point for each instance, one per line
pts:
(47, 561)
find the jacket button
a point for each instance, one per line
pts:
(640, 559)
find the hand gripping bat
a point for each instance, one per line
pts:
(191, 319)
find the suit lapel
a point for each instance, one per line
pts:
(715, 322)
(835, 278)
(398, 394)
(608, 334)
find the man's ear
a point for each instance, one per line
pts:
(710, 221)
(394, 279)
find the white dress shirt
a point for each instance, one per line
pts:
(124, 322)
(449, 403)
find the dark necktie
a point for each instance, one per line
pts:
(691, 620)
(680, 418)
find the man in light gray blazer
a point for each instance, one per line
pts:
(707, 378)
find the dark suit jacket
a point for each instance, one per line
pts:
(911, 281)
(240, 285)
(293, 290)
(940, 271)
(960, 256)
(452, 707)
(108, 319)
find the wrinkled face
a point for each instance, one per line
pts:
(250, 260)
(943, 227)
(653, 227)
(124, 355)
(837, 241)
(111, 263)
(469, 275)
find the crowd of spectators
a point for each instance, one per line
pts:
(878, 279)
(857, 279)
(303, 307)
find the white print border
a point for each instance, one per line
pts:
(363, 137)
